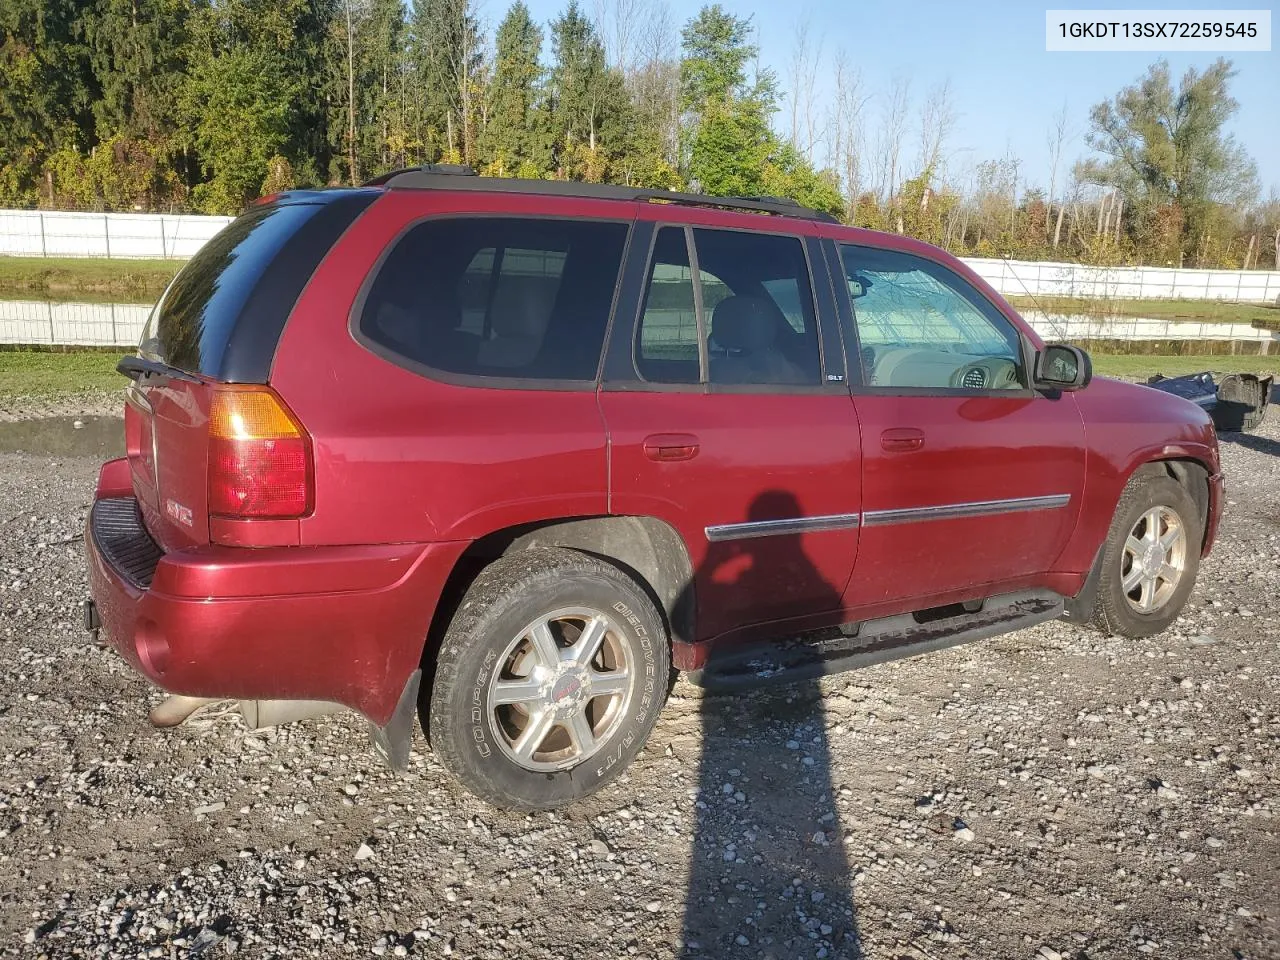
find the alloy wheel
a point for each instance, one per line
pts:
(560, 689)
(1154, 559)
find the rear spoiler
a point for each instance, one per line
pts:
(1237, 403)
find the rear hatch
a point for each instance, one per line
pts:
(217, 326)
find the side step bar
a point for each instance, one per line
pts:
(876, 641)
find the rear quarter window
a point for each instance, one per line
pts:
(493, 297)
(190, 326)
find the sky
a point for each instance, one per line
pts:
(1005, 87)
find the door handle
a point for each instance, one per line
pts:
(901, 439)
(670, 447)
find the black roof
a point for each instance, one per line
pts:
(458, 177)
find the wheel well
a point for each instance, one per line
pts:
(648, 550)
(1192, 475)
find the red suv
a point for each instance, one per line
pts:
(503, 453)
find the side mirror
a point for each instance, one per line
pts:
(1062, 367)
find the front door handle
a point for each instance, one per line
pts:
(670, 447)
(901, 439)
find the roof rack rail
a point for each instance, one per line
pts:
(448, 176)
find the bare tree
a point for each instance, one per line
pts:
(803, 75)
(893, 128)
(654, 80)
(621, 24)
(1059, 136)
(846, 146)
(937, 120)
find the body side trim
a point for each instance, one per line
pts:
(952, 511)
(777, 528)
(880, 518)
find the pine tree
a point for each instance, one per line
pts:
(445, 48)
(46, 88)
(256, 92)
(588, 105)
(384, 138)
(515, 140)
(727, 119)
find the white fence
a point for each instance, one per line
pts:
(72, 324)
(1077, 329)
(1020, 278)
(120, 325)
(37, 233)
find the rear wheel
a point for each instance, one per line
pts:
(1150, 559)
(548, 681)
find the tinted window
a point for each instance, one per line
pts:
(760, 305)
(920, 325)
(521, 299)
(190, 326)
(667, 341)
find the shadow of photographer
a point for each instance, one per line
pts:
(768, 876)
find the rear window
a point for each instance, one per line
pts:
(190, 326)
(497, 297)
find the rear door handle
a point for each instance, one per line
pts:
(901, 439)
(670, 447)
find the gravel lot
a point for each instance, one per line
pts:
(1049, 794)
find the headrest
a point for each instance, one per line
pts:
(748, 324)
(521, 308)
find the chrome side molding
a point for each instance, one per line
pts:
(879, 518)
(778, 528)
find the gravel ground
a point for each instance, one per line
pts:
(1048, 794)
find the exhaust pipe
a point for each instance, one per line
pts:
(176, 708)
(271, 713)
(257, 714)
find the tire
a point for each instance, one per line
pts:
(510, 726)
(1132, 612)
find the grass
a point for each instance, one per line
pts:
(1212, 311)
(41, 373)
(1140, 367)
(85, 281)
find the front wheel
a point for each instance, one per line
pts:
(548, 681)
(1150, 559)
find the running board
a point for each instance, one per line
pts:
(876, 641)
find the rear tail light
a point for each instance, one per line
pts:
(259, 457)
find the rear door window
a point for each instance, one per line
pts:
(667, 340)
(195, 318)
(493, 297)
(762, 330)
(758, 326)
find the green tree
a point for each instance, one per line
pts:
(384, 140)
(786, 173)
(717, 50)
(46, 91)
(257, 91)
(241, 99)
(728, 140)
(588, 104)
(1167, 147)
(446, 55)
(139, 52)
(515, 141)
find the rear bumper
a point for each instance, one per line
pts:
(344, 623)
